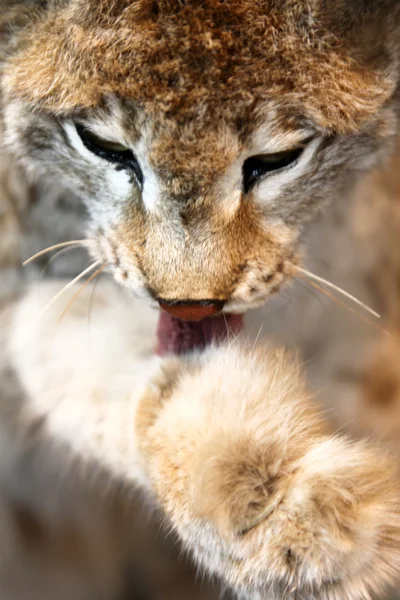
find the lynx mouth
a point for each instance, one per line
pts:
(192, 310)
(177, 336)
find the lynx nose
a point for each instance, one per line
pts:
(192, 310)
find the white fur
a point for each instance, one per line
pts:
(85, 355)
(119, 182)
(151, 193)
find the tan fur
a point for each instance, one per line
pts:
(248, 472)
(218, 269)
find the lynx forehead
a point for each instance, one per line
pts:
(203, 59)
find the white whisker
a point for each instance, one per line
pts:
(337, 289)
(68, 286)
(55, 247)
(57, 255)
(257, 337)
(79, 291)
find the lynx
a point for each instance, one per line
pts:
(202, 137)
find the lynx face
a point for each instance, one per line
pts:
(201, 135)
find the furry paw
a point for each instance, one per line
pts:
(259, 489)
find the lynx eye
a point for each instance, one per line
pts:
(111, 151)
(256, 168)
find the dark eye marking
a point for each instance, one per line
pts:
(111, 151)
(256, 168)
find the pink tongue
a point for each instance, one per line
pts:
(175, 336)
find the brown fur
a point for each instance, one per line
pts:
(188, 59)
(217, 268)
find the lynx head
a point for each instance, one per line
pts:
(202, 135)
